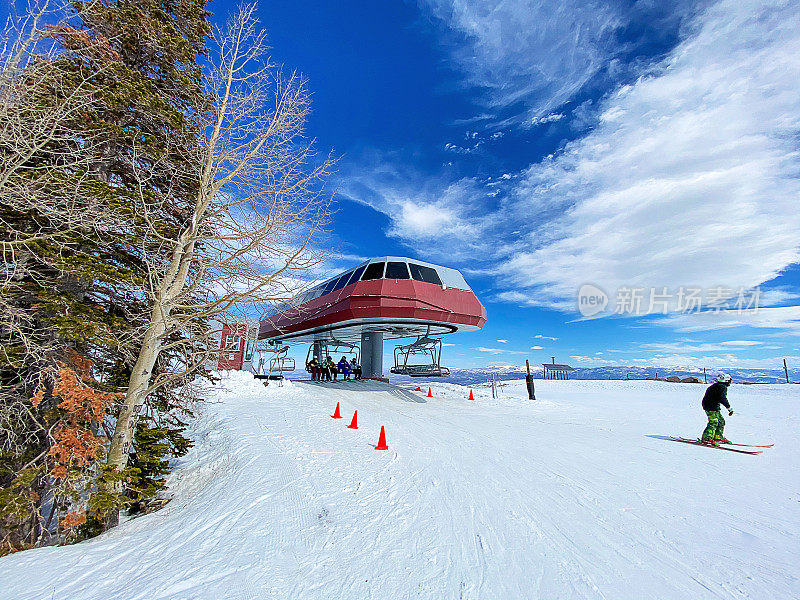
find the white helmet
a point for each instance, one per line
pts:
(724, 378)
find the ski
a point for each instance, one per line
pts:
(696, 443)
(751, 445)
(734, 444)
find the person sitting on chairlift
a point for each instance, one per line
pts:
(344, 368)
(329, 368)
(314, 367)
(355, 368)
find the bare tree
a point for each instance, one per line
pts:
(260, 203)
(36, 106)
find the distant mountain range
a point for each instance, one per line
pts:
(472, 376)
(480, 375)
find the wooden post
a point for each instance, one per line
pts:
(529, 381)
(705, 379)
(785, 370)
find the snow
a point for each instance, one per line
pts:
(572, 496)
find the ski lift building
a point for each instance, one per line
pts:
(388, 297)
(232, 345)
(556, 371)
(238, 349)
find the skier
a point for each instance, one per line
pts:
(356, 368)
(329, 369)
(344, 368)
(313, 366)
(716, 395)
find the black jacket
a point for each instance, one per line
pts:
(716, 394)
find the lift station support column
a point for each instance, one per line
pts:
(372, 355)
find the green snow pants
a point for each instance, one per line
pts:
(715, 427)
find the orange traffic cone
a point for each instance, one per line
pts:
(336, 414)
(471, 397)
(430, 395)
(382, 440)
(417, 389)
(354, 422)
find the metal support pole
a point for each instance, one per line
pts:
(785, 370)
(372, 355)
(318, 351)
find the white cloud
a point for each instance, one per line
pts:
(490, 350)
(724, 361)
(778, 318)
(551, 118)
(539, 336)
(688, 362)
(535, 52)
(450, 147)
(537, 347)
(425, 220)
(679, 347)
(497, 350)
(689, 178)
(775, 296)
(432, 216)
(503, 341)
(593, 361)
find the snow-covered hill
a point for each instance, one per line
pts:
(573, 496)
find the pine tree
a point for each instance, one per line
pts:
(76, 293)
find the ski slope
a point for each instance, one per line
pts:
(574, 496)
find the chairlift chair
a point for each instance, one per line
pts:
(333, 348)
(278, 363)
(410, 359)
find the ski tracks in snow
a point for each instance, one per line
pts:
(493, 499)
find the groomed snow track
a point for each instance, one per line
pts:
(572, 497)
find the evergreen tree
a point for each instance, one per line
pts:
(76, 293)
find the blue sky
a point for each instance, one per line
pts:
(540, 146)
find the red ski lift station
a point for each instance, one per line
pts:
(384, 298)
